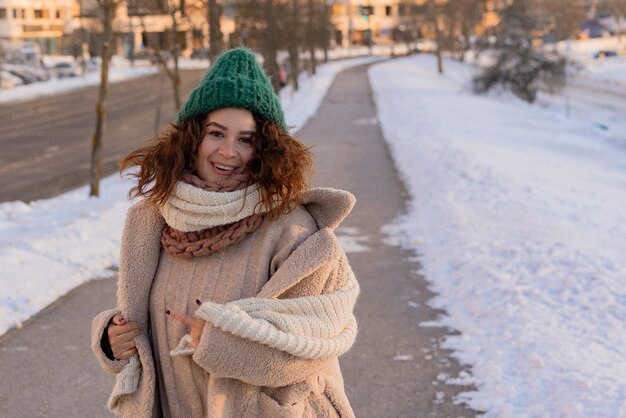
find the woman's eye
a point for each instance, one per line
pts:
(217, 134)
(246, 140)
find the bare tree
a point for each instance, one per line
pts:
(107, 9)
(294, 44)
(519, 65)
(435, 13)
(214, 11)
(469, 14)
(618, 10)
(311, 35)
(269, 41)
(561, 22)
(177, 12)
(264, 25)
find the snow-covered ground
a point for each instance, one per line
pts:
(122, 69)
(48, 247)
(610, 70)
(517, 212)
(518, 216)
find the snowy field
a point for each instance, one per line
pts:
(49, 247)
(518, 216)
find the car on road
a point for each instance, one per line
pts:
(65, 69)
(605, 54)
(8, 80)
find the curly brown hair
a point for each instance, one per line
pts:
(281, 164)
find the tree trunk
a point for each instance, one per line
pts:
(328, 27)
(434, 18)
(215, 33)
(311, 36)
(270, 50)
(95, 173)
(439, 61)
(294, 59)
(176, 75)
(173, 75)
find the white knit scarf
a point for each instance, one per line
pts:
(309, 327)
(190, 208)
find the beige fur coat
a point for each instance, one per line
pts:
(274, 383)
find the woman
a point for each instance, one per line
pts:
(234, 297)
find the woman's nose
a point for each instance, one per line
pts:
(227, 149)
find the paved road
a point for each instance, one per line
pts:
(47, 368)
(46, 143)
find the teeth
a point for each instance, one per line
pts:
(223, 167)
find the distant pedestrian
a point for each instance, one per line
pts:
(234, 296)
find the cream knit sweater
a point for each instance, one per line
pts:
(308, 327)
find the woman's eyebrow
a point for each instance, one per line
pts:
(226, 129)
(218, 125)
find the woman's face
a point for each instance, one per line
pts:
(227, 146)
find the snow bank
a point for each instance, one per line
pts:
(518, 213)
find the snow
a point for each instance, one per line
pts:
(518, 214)
(611, 70)
(49, 247)
(120, 70)
(516, 211)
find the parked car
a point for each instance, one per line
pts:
(8, 80)
(20, 72)
(65, 69)
(152, 55)
(200, 53)
(425, 45)
(605, 54)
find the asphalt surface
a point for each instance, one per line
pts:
(46, 143)
(48, 370)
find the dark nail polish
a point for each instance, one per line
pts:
(198, 302)
(167, 311)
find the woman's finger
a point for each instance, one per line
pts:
(127, 354)
(130, 330)
(126, 345)
(180, 317)
(118, 319)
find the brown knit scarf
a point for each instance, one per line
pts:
(210, 240)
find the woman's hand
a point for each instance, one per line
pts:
(122, 337)
(195, 324)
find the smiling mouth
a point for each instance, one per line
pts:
(225, 169)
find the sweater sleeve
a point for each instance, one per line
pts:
(98, 330)
(223, 354)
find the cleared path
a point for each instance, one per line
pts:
(392, 370)
(47, 368)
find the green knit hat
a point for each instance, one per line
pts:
(234, 80)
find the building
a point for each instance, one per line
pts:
(49, 23)
(388, 21)
(358, 22)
